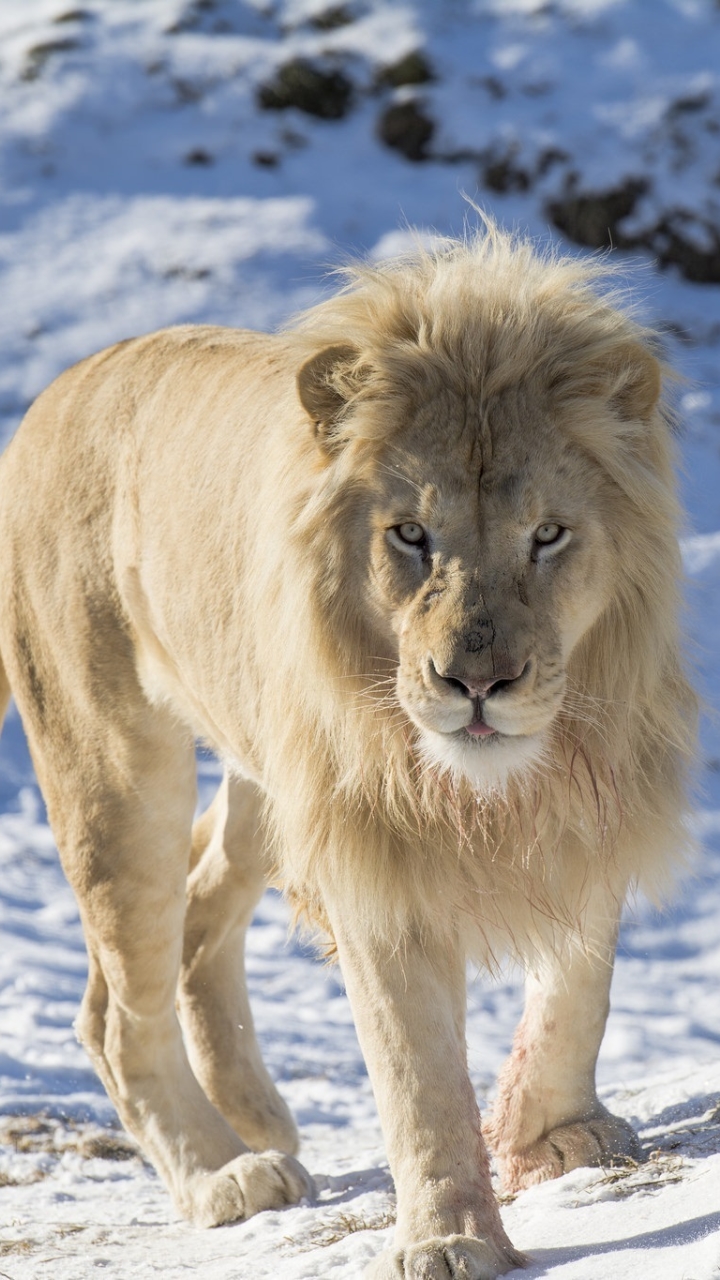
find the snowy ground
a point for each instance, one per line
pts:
(141, 184)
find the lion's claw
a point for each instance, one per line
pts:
(445, 1258)
(602, 1140)
(245, 1186)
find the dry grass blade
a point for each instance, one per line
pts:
(340, 1226)
(42, 1133)
(10, 1247)
(658, 1170)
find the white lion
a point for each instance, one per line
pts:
(410, 567)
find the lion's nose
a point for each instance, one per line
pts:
(473, 687)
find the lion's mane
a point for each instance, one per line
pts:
(348, 798)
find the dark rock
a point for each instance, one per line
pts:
(688, 105)
(548, 159)
(265, 159)
(678, 238)
(301, 84)
(192, 18)
(502, 173)
(73, 15)
(414, 68)
(593, 218)
(40, 53)
(186, 273)
(338, 15)
(675, 245)
(405, 127)
(199, 156)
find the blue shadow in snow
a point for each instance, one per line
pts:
(680, 1233)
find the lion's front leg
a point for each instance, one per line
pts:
(408, 1000)
(547, 1118)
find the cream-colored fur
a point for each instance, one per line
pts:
(411, 568)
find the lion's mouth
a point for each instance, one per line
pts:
(479, 729)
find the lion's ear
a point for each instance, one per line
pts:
(325, 383)
(628, 379)
(637, 383)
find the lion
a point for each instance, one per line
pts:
(410, 567)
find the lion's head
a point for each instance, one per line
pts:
(497, 482)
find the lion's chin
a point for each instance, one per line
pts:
(487, 763)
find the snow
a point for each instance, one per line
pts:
(141, 185)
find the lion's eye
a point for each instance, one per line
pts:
(411, 533)
(408, 536)
(547, 534)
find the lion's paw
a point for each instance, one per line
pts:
(245, 1186)
(605, 1140)
(445, 1258)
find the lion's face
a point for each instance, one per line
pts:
(502, 458)
(489, 555)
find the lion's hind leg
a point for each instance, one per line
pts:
(547, 1118)
(118, 776)
(224, 886)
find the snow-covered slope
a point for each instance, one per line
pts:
(150, 174)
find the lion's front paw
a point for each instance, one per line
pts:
(605, 1140)
(445, 1258)
(244, 1186)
